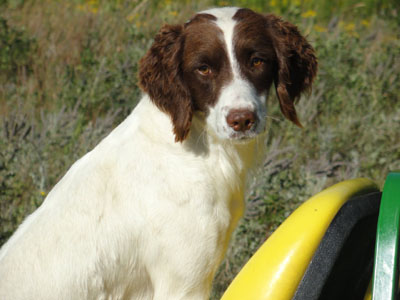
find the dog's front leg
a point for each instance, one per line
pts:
(183, 256)
(182, 275)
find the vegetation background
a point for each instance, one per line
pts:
(68, 76)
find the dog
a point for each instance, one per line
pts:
(148, 213)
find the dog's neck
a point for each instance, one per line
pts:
(201, 142)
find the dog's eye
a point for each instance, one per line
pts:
(204, 70)
(256, 62)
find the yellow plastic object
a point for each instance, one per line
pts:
(368, 293)
(275, 270)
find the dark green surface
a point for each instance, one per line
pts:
(386, 249)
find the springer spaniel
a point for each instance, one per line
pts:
(148, 213)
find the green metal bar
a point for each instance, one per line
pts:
(386, 249)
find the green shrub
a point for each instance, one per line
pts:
(15, 51)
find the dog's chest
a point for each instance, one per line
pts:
(178, 206)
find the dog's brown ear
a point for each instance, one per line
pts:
(297, 64)
(160, 76)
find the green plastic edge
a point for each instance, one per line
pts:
(385, 284)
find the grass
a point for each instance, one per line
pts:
(68, 75)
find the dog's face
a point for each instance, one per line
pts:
(222, 62)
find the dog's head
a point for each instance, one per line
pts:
(222, 62)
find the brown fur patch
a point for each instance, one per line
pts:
(169, 71)
(251, 41)
(160, 76)
(204, 46)
(294, 65)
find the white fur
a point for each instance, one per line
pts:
(140, 216)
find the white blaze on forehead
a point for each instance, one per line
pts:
(227, 24)
(239, 93)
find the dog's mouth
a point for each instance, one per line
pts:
(244, 124)
(248, 135)
(240, 136)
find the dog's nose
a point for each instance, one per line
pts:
(241, 119)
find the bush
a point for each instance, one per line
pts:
(34, 154)
(15, 51)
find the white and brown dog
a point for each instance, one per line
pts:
(149, 212)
